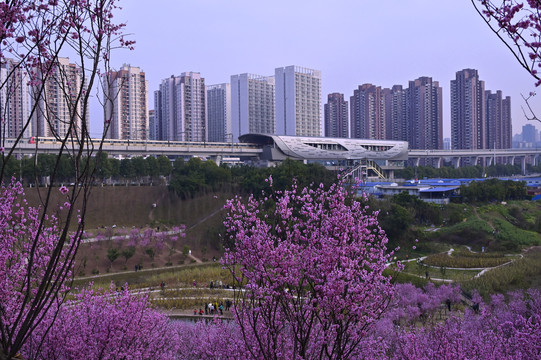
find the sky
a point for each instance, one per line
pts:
(383, 42)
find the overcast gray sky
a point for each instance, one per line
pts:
(384, 42)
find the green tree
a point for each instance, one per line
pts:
(395, 221)
(12, 168)
(164, 165)
(127, 170)
(114, 165)
(66, 168)
(150, 252)
(152, 166)
(127, 253)
(112, 254)
(46, 164)
(140, 167)
(185, 250)
(103, 166)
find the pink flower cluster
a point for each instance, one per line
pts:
(418, 325)
(104, 325)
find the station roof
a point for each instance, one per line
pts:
(324, 148)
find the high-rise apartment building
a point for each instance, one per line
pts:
(126, 104)
(168, 111)
(468, 118)
(59, 109)
(395, 106)
(14, 100)
(367, 115)
(529, 134)
(298, 101)
(151, 125)
(252, 105)
(507, 124)
(498, 120)
(412, 114)
(336, 116)
(157, 116)
(446, 143)
(219, 112)
(424, 114)
(180, 108)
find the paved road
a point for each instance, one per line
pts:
(127, 236)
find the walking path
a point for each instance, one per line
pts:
(127, 236)
(482, 270)
(142, 270)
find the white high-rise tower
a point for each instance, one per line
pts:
(252, 105)
(298, 101)
(181, 109)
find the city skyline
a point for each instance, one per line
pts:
(248, 37)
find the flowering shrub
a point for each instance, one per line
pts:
(500, 330)
(104, 325)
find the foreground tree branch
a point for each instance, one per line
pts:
(34, 36)
(518, 25)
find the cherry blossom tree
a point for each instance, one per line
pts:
(499, 330)
(518, 25)
(308, 270)
(104, 325)
(28, 254)
(507, 327)
(39, 248)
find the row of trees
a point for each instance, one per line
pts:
(418, 324)
(468, 172)
(32, 169)
(188, 178)
(493, 190)
(308, 267)
(195, 176)
(116, 325)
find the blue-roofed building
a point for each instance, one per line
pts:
(438, 195)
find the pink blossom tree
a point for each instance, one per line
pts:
(104, 325)
(499, 330)
(508, 327)
(39, 248)
(518, 25)
(29, 253)
(308, 270)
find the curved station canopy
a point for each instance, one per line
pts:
(278, 147)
